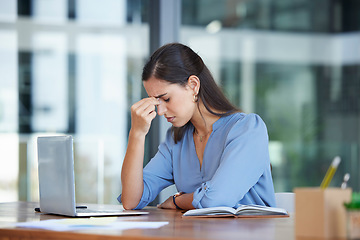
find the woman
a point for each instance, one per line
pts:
(215, 155)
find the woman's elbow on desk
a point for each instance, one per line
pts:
(128, 205)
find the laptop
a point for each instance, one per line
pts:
(57, 181)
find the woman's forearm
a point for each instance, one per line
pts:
(142, 113)
(132, 171)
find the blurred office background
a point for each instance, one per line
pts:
(74, 67)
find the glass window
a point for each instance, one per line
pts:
(272, 58)
(74, 67)
(69, 67)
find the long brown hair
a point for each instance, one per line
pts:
(175, 63)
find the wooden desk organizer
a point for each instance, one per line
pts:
(321, 212)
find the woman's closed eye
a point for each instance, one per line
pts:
(167, 100)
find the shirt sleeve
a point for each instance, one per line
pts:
(158, 173)
(244, 160)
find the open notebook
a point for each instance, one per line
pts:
(57, 181)
(243, 211)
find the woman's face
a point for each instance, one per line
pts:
(176, 101)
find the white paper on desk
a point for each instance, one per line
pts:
(89, 223)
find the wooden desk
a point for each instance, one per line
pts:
(178, 227)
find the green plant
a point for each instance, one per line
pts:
(355, 202)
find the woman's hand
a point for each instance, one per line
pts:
(142, 113)
(184, 201)
(167, 204)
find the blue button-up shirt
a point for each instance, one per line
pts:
(235, 168)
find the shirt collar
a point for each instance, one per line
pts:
(221, 121)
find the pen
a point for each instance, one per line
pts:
(37, 209)
(330, 172)
(345, 181)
